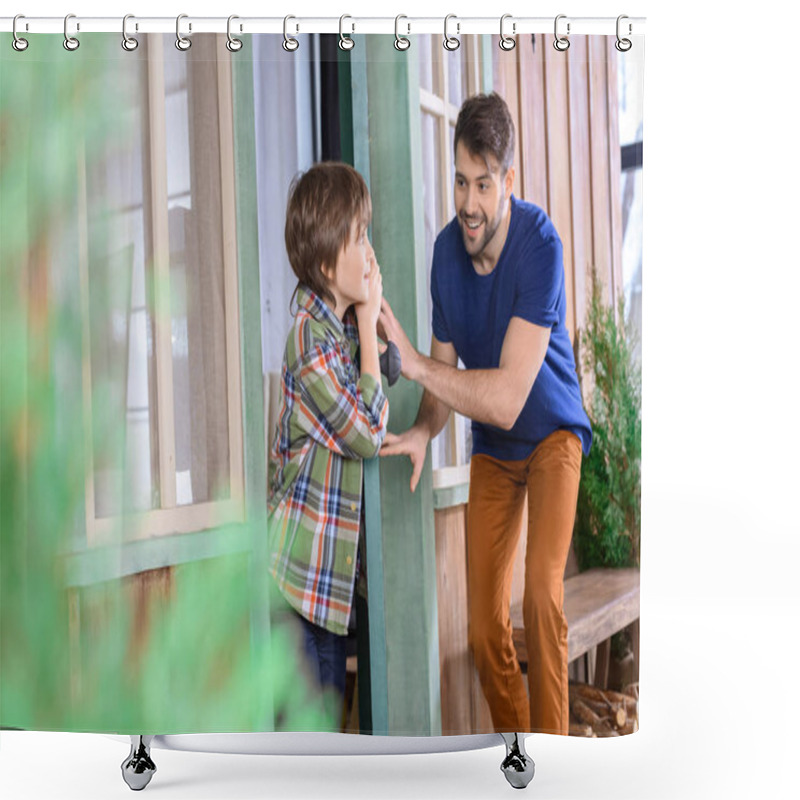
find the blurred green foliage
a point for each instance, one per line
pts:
(608, 520)
(198, 667)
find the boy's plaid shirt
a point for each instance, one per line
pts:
(330, 420)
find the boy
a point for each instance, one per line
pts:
(333, 413)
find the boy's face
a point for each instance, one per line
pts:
(349, 282)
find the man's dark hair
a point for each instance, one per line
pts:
(485, 127)
(323, 204)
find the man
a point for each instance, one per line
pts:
(497, 285)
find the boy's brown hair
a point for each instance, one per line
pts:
(485, 126)
(323, 203)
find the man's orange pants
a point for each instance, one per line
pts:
(549, 478)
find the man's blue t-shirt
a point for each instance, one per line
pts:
(473, 311)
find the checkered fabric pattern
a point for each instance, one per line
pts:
(331, 419)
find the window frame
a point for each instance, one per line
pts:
(445, 113)
(170, 518)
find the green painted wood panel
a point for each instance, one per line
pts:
(99, 564)
(396, 184)
(354, 120)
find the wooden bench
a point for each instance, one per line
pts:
(597, 604)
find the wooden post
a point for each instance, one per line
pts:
(404, 637)
(354, 126)
(255, 478)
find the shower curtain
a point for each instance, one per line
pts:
(146, 301)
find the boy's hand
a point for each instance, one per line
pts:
(368, 311)
(412, 443)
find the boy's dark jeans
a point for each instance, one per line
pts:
(327, 660)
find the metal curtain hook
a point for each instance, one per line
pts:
(623, 45)
(561, 43)
(70, 42)
(129, 43)
(507, 42)
(19, 44)
(401, 42)
(450, 42)
(233, 44)
(290, 44)
(181, 42)
(345, 42)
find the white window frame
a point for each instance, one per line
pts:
(171, 518)
(446, 114)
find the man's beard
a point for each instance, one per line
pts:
(475, 247)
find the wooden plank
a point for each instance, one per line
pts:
(581, 185)
(614, 168)
(455, 663)
(450, 496)
(86, 351)
(229, 250)
(396, 183)
(602, 663)
(99, 564)
(485, 56)
(507, 86)
(162, 522)
(601, 197)
(532, 132)
(255, 461)
(160, 256)
(597, 604)
(354, 111)
(558, 159)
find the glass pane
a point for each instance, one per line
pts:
(629, 79)
(121, 354)
(456, 73)
(631, 188)
(426, 65)
(196, 289)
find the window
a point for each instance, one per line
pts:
(446, 80)
(159, 293)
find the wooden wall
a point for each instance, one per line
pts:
(567, 158)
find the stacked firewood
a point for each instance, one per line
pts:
(600, 712)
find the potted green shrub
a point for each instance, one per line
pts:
(608, 520)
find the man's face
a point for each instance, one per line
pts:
(480, 196)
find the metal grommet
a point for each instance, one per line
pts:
(450, 42)
(233, 44)
(129, 43)
(401, 42)
(19, 44)
(290, 44)
(507, 42)
(345, 42)
(623, 45)
(181, 42)
(561, 43)
(70, 42)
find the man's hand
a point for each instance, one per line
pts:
(412, 443)
(392, 331)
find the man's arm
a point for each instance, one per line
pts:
(433, 413)
(492, 396)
